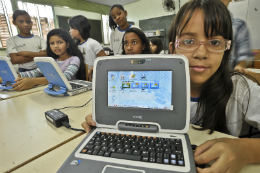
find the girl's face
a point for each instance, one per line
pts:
(133, 44)
(58, 45)
(75, 33)
(153, 47)
(24, 23)
(202, 63)
(119, 16)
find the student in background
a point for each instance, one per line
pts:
(135, 42)
(90, 48)
(61, 47)
(25, 46)
(156, 45)
(118, 24)
(220, 100)
(241, 53)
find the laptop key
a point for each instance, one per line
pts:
(95, 152)
(152, 154)
(145, 153)
(159, 155)
(91, 143)
(96, 143)
(128, 151)
(173, 162)
(112, 150)
(97, 147)
(158, 160)
(120, 150)
(89, 146)
(136, 152)
(101, 153)
(89, 152)
(126, 156)
(145, 159)
(152, 159)
(104, 148)
(107, 154)
(166, 161)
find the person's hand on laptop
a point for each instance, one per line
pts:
(1, 80)
(23, 84)
(90, 71)
(88, 123)
(229, 155)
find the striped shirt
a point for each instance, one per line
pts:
(241, 48)
(69, 67)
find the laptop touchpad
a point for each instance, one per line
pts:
(116, 169)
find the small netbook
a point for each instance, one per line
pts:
(7, 73)
(58, 83)
(141, 106)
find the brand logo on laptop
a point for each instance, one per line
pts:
(49, 74)
(138, 117)
(4, 72)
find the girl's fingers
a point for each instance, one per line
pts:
(86, 127)
(90, 121)
(204, 147)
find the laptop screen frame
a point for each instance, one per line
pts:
(176, 120)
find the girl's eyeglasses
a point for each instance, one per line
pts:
(214, 45)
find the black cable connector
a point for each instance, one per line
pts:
(67, 125)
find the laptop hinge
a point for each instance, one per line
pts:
(148, 128)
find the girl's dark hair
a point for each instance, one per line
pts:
(82, 24)
(142, 37)
(216, 91)
(18, 13)
(158, 42)
(72, 50)
(112, 24)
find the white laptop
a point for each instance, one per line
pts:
(141, 106)
(58, 83)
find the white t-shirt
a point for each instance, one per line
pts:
(237, 103)
(116, 37)
(90, 48)
(18, 43)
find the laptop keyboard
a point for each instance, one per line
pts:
(75, 86)
(139, 148)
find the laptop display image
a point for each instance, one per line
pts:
(58, 83)
(141, 108)
(7, 73)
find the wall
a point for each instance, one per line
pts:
(147, 9)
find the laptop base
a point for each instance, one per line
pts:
(85, 165)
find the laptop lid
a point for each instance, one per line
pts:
(52, 72)
(152, 89)
(7, 71)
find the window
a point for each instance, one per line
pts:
(106, 29)
(42, 17)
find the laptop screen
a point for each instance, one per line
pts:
(140, 89)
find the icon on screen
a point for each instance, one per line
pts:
(112, 76)
(154, 85)
(122, 77)
(145, 85)
(125, 85)
(135, 85)
(143, 76)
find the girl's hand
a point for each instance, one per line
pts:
(23, 84)
(88, 123)
(229, 155)
(23, 53)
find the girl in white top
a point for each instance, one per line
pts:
(118, 24)
(202, 31)
(91, 49)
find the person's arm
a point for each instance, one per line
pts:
(28, 83)
(90, 71)
(32, 54)
(71, 71)
(231, 155)
(101, 53)
(242, 48)
(16, 59)
(88, 124)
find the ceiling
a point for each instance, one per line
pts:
(112, 2)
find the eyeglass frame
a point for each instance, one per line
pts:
(228, 42)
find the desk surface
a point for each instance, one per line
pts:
(7, 94)
(26, 133)
(52, 161)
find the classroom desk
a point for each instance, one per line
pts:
(7, 94)
(24, 130)
(52, 161)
